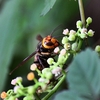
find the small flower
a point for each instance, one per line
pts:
(67, 46)
(56, 71)
(3, 95)
(50, 61)
(13, 82)
(84, 30)
(56, 50)
(33, 67)
(65, 31)
(16, 80)
(30, 76)
(79, 24)
(63, 52)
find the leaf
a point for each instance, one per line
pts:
(83, 78)
(84, 75)
(48, 5)
(67, 95)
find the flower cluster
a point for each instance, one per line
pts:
(51, 77)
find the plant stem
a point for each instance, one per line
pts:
(55, 88)
(81, 12)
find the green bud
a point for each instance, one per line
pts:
(97, 48)
(71, 37)
(61, 59)
(45, 70)
(49, 75)
(50, 61)
(79, 24)
(64, 40)
(31, 89)
(89, 20)
(90, 33)
(74, 46)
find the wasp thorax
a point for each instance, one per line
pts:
(50, 42)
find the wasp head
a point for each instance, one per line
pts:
(50, 42)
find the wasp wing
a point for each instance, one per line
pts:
(24, 61)
(39, 38)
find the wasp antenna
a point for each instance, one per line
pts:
(55, 29)
(25, 60)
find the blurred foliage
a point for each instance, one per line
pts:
(85, 85)
(20, 22)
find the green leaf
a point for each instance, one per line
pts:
(48, 5)
(10, 29)
(67, 95)
(84, 75)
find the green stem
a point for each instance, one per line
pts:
(79, 44)
(82, 12)
(55, 88)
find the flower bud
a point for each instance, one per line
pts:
(45, 70)
(61, 59)
(19, 79)
(50, 61)
(79, 24)
(31, 89)
(56, 50)
(64, 40)
(49, 75)
(71, 37)
(63, 52)
(90, 33)
(74, 46)
(82, 35)
(97, 48)
(89, 20)
(33, 67)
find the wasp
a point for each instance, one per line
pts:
(45, 49)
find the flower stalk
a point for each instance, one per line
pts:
(81, 8)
